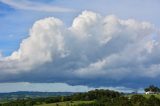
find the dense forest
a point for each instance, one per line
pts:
(99, 98)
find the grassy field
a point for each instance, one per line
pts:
(65, 103)
(148, 95)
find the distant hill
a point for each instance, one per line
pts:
(27, 94)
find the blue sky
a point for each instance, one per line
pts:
(18, 16)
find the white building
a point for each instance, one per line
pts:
(149, 92)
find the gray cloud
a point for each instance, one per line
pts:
(95, 49)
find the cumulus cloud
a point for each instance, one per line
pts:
(94, 47)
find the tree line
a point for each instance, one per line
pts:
(99, 97)
(152, 88)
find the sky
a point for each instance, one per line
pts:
(79, 45)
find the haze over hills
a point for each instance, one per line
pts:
(29, 94)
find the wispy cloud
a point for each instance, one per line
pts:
(35, 6)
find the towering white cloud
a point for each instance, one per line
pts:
(44, 43)
(93, 47)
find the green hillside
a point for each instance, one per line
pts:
(149, 95)
(65, 103)
(96, 97)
